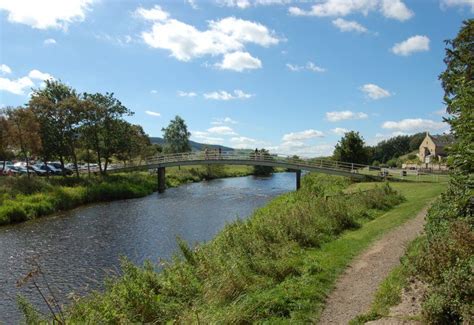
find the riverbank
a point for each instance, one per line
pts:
(23, 199)
(278, 265)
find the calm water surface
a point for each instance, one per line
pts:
(78, 248)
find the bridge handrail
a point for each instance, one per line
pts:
(284, 160)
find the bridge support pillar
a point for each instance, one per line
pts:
(161, 179)
(298, 179)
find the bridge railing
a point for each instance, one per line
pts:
(323, 164)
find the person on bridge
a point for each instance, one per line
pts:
(256, 153)
(220, 153)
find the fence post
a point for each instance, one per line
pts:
(161, 179)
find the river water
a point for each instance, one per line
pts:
(77, 249)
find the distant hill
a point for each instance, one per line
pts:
(195, 146)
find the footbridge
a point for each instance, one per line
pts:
(297, 165)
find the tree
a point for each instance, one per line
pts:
(458, 85)
(176, 136)
(263, 170)
(5, 143)
(24, 132)
(351, 149)
(59, 112)
(103, 116)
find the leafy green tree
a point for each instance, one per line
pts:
(351, 148)
(102, 125)
(176, 136)
(263, 170)
(132, 142)
(59, 112)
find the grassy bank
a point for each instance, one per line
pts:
(278, 265)
(23, 199)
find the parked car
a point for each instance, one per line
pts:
(49, 169)
(37, 171)
(64, 170)
(11, 170)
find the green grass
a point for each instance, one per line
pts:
(276, 267)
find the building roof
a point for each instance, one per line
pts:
(442, 140)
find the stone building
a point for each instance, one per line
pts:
(433, 147)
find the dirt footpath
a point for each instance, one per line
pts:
(356, 287)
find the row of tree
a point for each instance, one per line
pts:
(59, 124)
(352, 148)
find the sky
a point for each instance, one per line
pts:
(291, 76)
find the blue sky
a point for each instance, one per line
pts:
(287, 75)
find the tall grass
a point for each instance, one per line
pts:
(252, 271)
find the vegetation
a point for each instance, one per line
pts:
(176, 136)
(277, 265)
(351, 148)
(443, 259)
(447, 255)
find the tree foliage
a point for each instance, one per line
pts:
(176, 136)
(351, 148)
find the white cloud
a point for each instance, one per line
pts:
(38, 75)
(302, 135)
(227, 37)
(225, 120)
(375, 92)
(153, 14)
(452, 3)
(247, 143)
(49, 41)
(345, 115)
(205, 138)
(224, 95)
(222, 130)
(154, 91)
(414, 125)
(310, 66)
(152, 113)
(440, 112)
(304, 150)
(243, 4)
(339, 131)
(186, 94)
(17, 86)
(349, 26)
(46, 13)
(239, 61)
(5, 69)
(394, 9)
(413, 44)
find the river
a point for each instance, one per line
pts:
(77, 249)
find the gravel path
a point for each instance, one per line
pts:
(356, 287)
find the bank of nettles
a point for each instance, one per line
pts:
(255, 269)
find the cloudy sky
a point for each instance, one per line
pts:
(287, 75)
